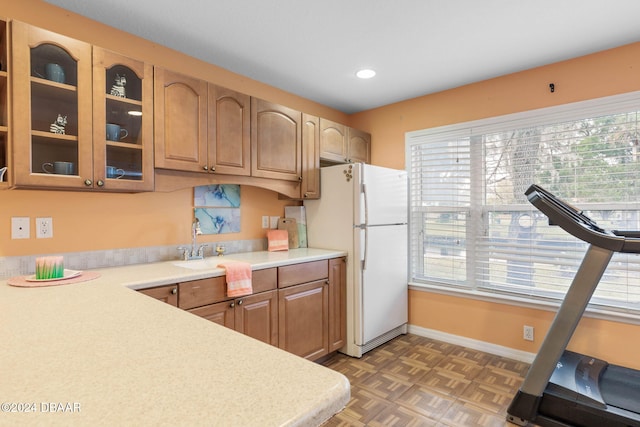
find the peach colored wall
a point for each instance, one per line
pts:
(85, 221)
(605, 73)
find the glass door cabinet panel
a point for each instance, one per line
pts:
(4, 108)
(122, 122)
(52, 104)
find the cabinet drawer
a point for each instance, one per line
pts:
(168, 294)
(296, 274)
(264, 280)
(201, 292)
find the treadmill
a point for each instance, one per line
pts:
(563, 388)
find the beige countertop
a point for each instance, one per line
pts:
(99, 353)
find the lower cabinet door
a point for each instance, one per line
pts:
(303, 319)
(257, 316)
(220, 313)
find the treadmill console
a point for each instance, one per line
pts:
(575, 222)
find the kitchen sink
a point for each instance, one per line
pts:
(201, 264)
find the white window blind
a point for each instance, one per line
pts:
(472, 227)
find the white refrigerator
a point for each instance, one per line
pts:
(363, 211)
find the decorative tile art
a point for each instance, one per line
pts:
(217, 207)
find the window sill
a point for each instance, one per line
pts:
(592, 312)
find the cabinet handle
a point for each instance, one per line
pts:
(100, 183)
(239, 302)
(232, 304)
(212, 168)
(174, 291)
(88, 182)
(205, 168)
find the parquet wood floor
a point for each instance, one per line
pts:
(417, 381)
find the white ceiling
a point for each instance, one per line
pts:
(417, 47)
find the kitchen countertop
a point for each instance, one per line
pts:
(99, 353)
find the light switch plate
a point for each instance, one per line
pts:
(20, 227)
(274, 222)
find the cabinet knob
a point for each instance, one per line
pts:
(212, 168)
(88, 182)
(100, 183)
(205, 168)
(239, 302)
(174, 291)
(300, 178)
(232, 304)
(306, 194)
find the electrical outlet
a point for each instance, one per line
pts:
(20, 227)
(265, 221)
(44, 228)
(527, 333)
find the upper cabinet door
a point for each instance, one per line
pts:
(180, 116)
(310, 186)
(359, 146)
(229, 132)
(52, 109)
(276, 141)
(333, 141)
(122, 122)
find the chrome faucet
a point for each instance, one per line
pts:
(195, 252)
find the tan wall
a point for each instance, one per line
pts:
(606, 73)
(85, 221)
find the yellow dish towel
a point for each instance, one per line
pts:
(238, 278)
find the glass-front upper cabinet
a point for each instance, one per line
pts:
(122, 122)
(52, 107)
(4, 108)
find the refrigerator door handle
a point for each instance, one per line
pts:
(366, 204)
(366, 246)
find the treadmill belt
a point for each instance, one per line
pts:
(620, 387)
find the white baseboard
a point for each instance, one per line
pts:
(498, 350)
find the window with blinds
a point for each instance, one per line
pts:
(471, 226)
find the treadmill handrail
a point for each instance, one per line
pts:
(578, 224)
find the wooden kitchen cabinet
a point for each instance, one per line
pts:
(4, 106)
(122, 96)
(168, 294)
(333, 141)
(342, 144)
(337, 303)
(221, 313)
(229, 127)
(52, 108)
(303, 319)
(359, 144)
(180, 121)
(310, 185)
(300, 308)
(303, 309)
(276, 141)
(255, 315)
(200, 127)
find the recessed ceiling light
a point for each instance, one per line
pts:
(366, 73)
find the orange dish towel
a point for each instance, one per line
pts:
(238, 278)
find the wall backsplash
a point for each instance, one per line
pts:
(23, 265)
